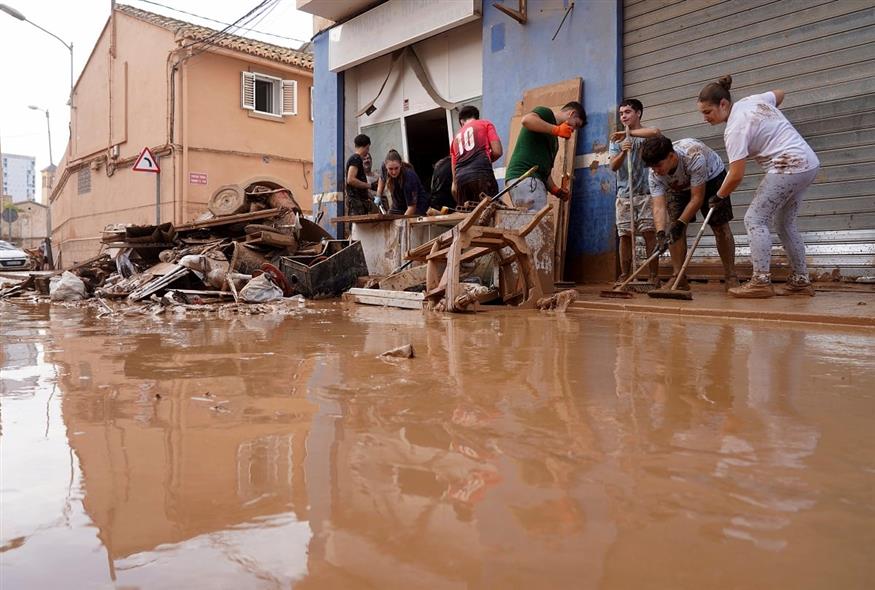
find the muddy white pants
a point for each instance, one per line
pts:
(777, 201)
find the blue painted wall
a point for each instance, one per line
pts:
(327, 134)
(515, 58)
(518, 57)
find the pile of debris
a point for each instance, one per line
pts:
(253, 245)
(446, 278)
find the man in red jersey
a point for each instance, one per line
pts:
(475, 147)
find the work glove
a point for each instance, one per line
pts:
(677, 230)
(717, 201)
(563, 130)
(662, 243)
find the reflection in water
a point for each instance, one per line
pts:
(516, 450)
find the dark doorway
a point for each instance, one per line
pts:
(427, 141)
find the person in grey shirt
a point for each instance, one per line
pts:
(630, 111)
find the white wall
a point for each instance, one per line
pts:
(453, 61)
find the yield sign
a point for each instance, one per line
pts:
(146, 162)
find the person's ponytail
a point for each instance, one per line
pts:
(714, 92)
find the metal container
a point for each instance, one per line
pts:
(327, 274)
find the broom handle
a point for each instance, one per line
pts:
(693, 249)
(631, 200)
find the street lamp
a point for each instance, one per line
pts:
(48, 127)
(16, 14)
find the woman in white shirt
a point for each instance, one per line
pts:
(755, 128)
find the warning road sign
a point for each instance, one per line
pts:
(146, 162)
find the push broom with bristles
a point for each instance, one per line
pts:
(674, 293)
(619, 292)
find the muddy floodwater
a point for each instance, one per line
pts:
(516, 450)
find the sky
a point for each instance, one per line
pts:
(35, 67)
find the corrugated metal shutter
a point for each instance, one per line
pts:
(821, 53)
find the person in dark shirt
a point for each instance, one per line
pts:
(408, 197)
(442, 184)
(357, 198)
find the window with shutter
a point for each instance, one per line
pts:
(290, 97)
(247, 90)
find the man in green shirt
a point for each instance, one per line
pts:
(537, 145)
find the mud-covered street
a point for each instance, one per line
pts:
(516, 450)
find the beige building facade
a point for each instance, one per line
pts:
(215, 109)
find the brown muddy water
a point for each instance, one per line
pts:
(517, 450)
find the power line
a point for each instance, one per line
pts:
(212, 38)
(206, 18)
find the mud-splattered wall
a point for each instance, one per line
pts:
(517, 57)
(327, 136)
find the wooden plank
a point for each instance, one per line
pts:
(404, 279)
(408, 295)
(229, 220)
(399, 299)
(369, 218)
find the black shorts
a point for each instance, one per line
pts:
(469, 189)
(358, 206)
(676, 203)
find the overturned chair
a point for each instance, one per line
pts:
(468, 241)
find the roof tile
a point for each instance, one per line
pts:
(186, 30)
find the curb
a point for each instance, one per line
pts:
(713, 313)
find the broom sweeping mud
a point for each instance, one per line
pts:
(674, 293)
(619, 292)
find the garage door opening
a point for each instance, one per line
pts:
(427, 141)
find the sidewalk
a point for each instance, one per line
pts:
(835, 304)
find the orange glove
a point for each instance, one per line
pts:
(563, 130)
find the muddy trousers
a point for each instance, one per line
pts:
(777, 201)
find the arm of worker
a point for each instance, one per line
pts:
(381, 187)
(412, 189)
(351, 179)
(557, 191)
(617, 152)
(495, 149)
(536, 124)
(779, 97)
(733, 178)
(645, 132)
(453, 188)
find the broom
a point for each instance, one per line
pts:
(619, 291)
(673, 293)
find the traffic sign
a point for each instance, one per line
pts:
(146, 162)
(9, 215)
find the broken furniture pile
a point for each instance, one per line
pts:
(447, 262)
(252, 245)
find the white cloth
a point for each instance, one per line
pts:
(697, 164)
(756, 128)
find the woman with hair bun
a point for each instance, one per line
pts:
(755, 128)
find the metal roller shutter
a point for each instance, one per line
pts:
(821, 53)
